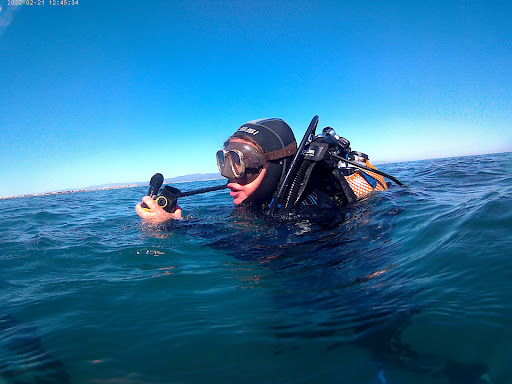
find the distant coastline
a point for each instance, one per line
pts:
(208, 176)
(174, 180)
(70, 191)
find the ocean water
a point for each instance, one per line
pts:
(411, 285)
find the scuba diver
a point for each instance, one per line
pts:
(267, 171)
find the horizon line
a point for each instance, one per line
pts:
(140, 184)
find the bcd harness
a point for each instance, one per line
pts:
(325, 162)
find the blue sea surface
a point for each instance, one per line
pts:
(411, 285)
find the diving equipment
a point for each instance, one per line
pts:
(243, 161)
(168, 197)
(154, 186)
(284, 185)
(326, 163)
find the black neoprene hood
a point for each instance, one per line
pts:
(270, 134)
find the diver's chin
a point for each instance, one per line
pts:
(238, 199)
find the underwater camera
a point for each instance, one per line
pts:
(168, 197)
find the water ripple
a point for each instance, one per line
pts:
(410, 284)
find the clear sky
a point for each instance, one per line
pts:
(114, 91)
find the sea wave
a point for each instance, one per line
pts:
(409, 285)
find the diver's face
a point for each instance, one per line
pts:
(240, 192)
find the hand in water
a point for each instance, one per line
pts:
(157, 215)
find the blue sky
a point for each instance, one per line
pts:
(114, 91)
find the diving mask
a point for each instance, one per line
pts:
(240, 161)
(243, 162)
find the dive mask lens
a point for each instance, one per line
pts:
(231, 163)
(236, 159)
(221, 159)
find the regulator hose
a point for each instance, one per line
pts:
(291, 197)
(276, 201)
(355, 164)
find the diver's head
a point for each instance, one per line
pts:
(255, 158)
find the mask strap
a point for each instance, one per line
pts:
(289, 150)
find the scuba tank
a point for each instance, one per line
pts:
(325, 162)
